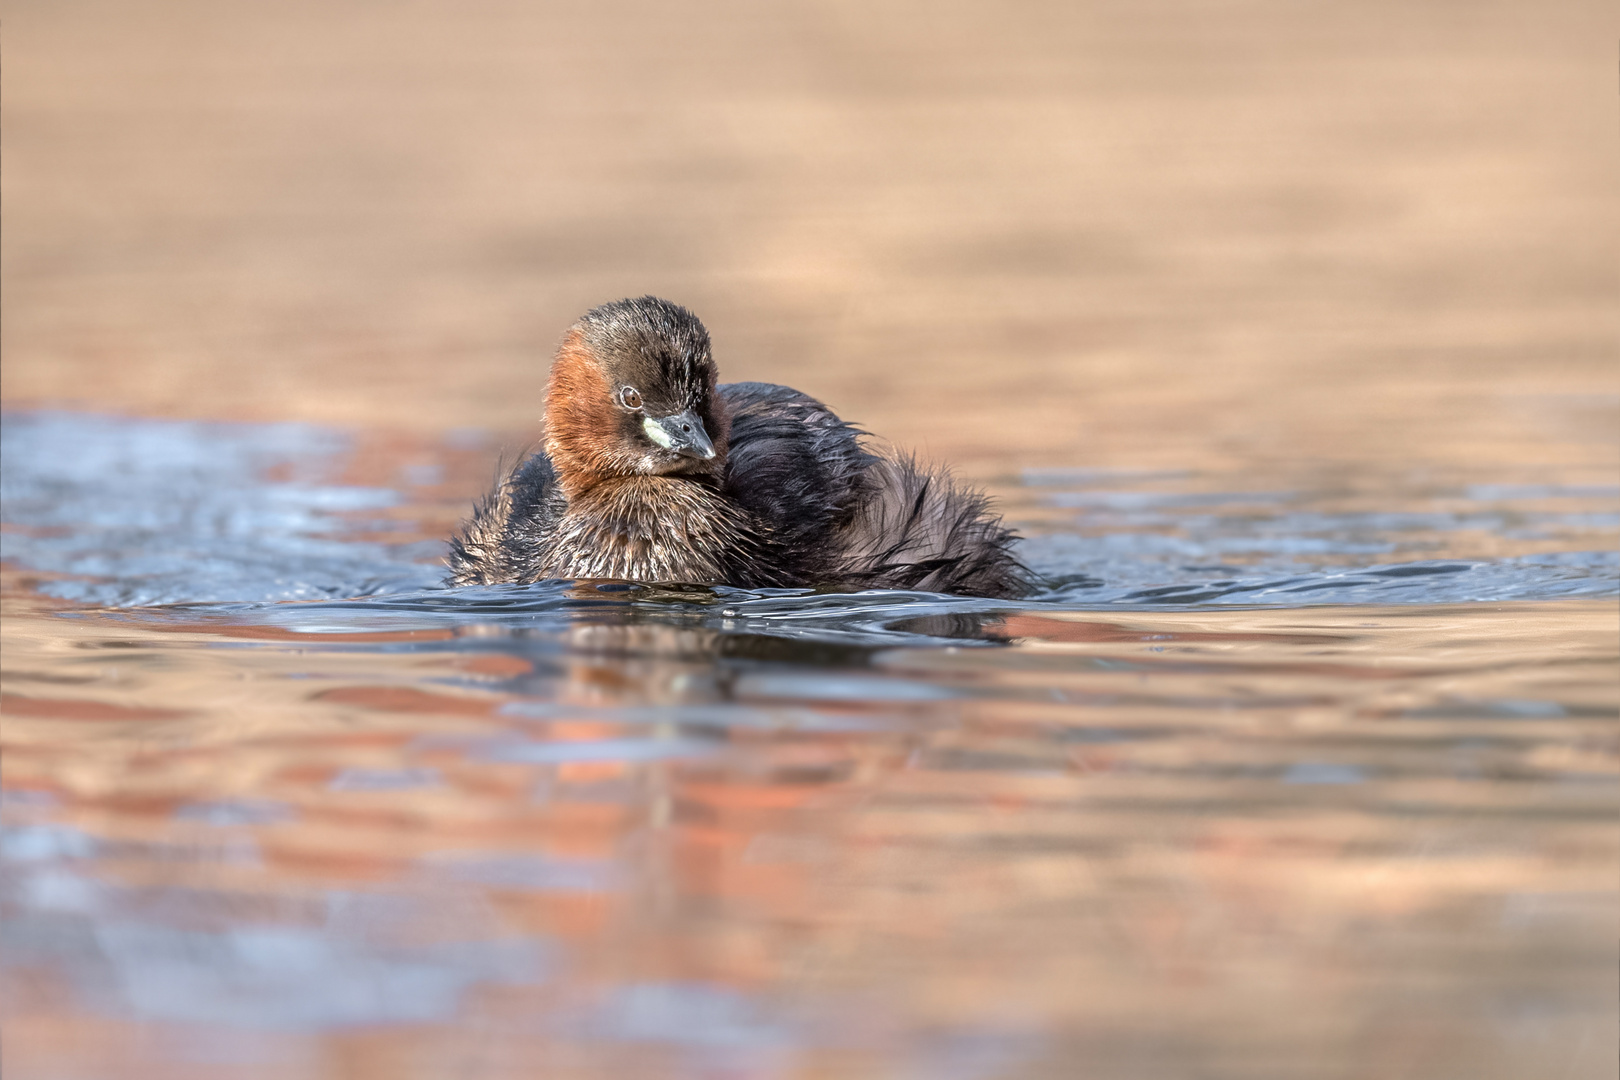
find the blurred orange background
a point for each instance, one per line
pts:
(1117, 233)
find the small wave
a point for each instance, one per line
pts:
(127, 512)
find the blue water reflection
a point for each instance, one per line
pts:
(134, 511)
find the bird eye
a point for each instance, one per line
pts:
(631, 397)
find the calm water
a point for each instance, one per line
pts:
(1309, 780)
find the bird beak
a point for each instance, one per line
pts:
(683, 433)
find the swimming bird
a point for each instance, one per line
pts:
(652, 472)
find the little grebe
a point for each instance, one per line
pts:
(652, 472)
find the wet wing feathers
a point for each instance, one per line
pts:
(791, 461)
(916, 529)
(861, 519)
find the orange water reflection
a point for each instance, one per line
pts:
(1311, 842)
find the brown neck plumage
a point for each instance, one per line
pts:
(581, 420)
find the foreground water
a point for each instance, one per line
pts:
(1287, 774)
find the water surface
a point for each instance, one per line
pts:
(1272, 780)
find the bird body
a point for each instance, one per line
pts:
(653, 472)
